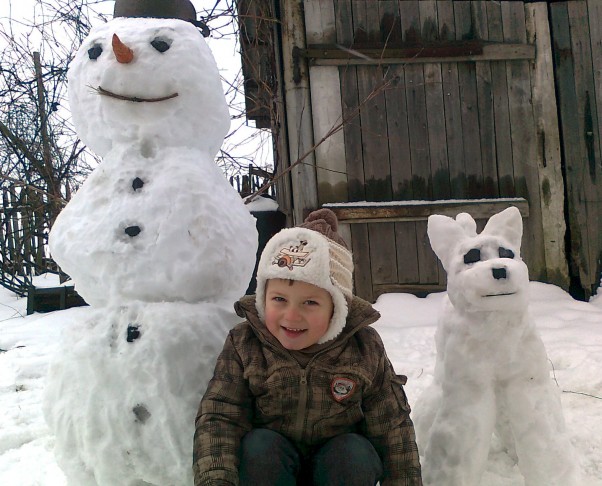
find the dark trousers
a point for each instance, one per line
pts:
(269, 459)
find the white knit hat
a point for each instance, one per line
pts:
(314, 253)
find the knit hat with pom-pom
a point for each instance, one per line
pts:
(314, 253)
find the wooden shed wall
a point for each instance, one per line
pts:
(397, 108)
(416, 130)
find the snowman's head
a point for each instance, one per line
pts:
(153, 81)
(484, 271)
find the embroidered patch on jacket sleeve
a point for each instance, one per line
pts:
(342, 388)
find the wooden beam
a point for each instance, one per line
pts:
(299, 117)
(396, 211)
(452, 51)
(417, 289)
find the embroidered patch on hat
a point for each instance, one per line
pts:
(342, 388)
(292, 256)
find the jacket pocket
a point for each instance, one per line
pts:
(397, 382)
(267, 394)
(341, 418)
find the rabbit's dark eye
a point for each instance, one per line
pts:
(505, 253)
(161, 44)
(94, 52)
(472, 256)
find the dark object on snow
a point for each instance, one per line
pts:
(133, 231)
(137, 183)
(133, 333)
(268, 224)
(141, 413)
(53, 298)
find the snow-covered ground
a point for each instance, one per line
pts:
(571, 331)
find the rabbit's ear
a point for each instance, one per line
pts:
(508, 225)
(444, 233)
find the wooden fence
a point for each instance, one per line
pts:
(255, 179)
(23, 238)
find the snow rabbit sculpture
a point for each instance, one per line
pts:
(492, 371)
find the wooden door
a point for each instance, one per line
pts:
(433, 101)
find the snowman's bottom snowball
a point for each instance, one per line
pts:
(123, 412)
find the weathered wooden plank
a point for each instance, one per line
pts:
(435, 109)
(406, 233)
(428, 269)
(427, 262)
(383, 252)
(399, 146)
(573, 153)
(350, 108)
(416, 104)
(390, 23)
(329, 55)
(486, 108)
(365, 22)
(595, 14)
(499, 89)
(549, 163)
(467, 78)
(421, 210)
(361, 262)
(3, 223)
(407, 253)
(397, 112)
(398, 133)
(283, 184)
(588, 125)
(371, 94)
(320, 25)
(453, 107)
(524, 153)
(377, 169)
(298, 112)
(26, 232)
(14, 243)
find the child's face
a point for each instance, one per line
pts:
(297, 315)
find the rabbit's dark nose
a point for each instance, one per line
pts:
(498, 273)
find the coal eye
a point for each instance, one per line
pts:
(161, 44)
(472, 256)
(94, 52)
(505, 253)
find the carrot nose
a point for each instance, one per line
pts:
(122, 52)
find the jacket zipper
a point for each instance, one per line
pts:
(302, 405)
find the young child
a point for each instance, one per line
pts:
(303, 392)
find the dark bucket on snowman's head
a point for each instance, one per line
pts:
(160, 9)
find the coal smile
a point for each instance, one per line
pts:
(499, 295)
(105, 92)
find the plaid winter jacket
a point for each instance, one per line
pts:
(348, 386)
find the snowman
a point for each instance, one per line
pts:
(156, 241)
